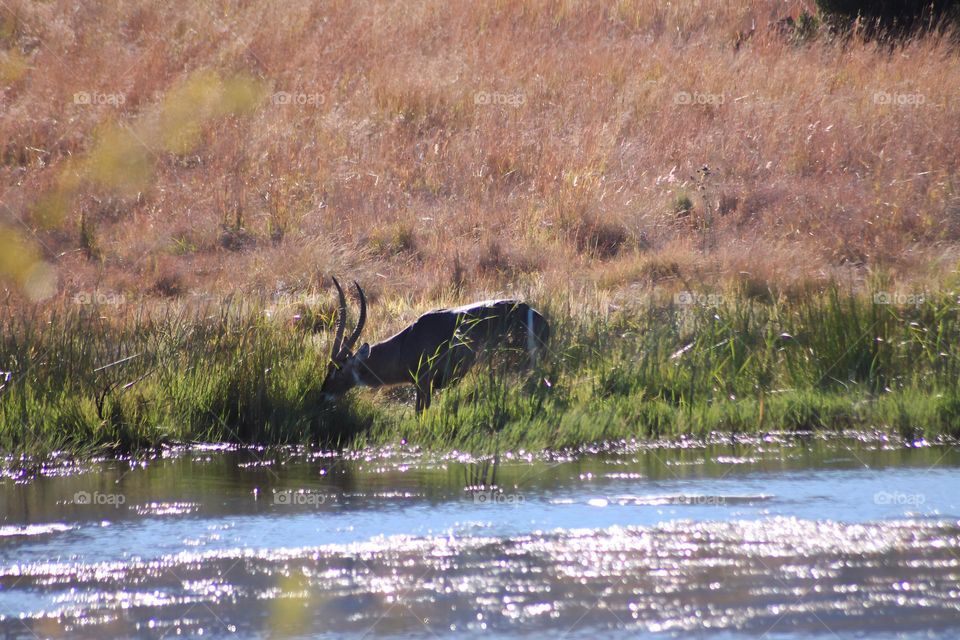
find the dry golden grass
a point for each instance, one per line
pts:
(435, 149)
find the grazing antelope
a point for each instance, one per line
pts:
(437, 349)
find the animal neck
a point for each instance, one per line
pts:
(382, 367)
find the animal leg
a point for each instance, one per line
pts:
(423, 394)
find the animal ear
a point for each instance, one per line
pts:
(364, 351)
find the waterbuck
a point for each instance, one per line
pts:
(437, 349)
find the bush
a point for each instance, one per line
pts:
(891, 16)
(600, 238)
(393, 240)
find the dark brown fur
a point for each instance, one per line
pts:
(438, 348)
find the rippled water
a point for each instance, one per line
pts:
(783, 537)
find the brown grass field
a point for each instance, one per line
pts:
(434, 149)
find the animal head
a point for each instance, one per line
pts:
(343, 370)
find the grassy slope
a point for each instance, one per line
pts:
(486, 146)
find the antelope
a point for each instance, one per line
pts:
(436, 350)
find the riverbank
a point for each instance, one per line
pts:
(86, 379)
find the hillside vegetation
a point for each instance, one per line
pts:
(735, 215)
(182, 149)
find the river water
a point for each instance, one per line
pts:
(781, 537)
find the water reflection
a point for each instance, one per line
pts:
(792, 536)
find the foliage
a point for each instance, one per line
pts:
(82, 382)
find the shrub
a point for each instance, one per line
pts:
(891, 16)
(600, 238)
(682, 205)
(393, 240)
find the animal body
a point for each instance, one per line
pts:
(438, 348)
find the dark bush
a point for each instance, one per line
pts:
(895, 17)
(600, 238)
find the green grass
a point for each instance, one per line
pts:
(85, 379)
(661, 370)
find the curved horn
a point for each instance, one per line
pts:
(362, 320)
(341, 321)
